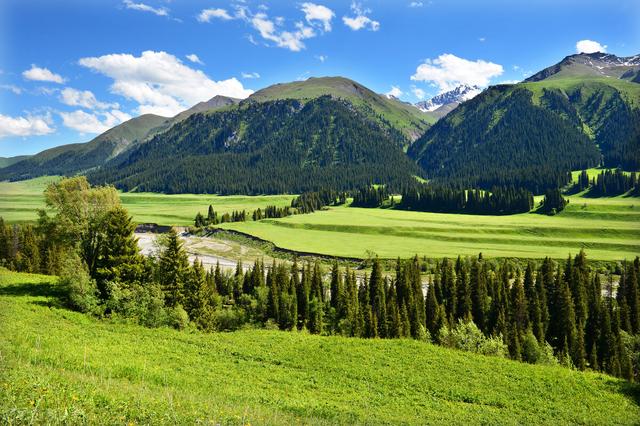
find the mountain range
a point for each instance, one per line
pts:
(442, 104)
(334, 132)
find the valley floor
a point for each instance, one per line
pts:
(60, 366)
(608, 228)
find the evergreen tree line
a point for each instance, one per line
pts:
(302, 204)
(370, 196)
(553, 202)
(442, 199)
(608, 183)
(548, 312)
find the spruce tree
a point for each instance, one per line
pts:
(173, 267)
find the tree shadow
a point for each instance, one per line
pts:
(630, 390)
(31, 289)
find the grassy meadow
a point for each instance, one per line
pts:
(19, 201)
(60, 366)
(607, 228)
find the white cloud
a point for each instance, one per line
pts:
(482, 39)
(361, 20)
(286, 39)
(416, 4)
(194, 58)
(317, 17)
(448, 71)
(316, 12)
(322, 58)
(207, 14)
(395, 92)
(509, 82)
(160, 11)
(83, 98)
(160, 82)
(250, 75)
(590, 46)
(417, 92)
(24, 126)
(85, 122)
(12, 88)
(42, 74)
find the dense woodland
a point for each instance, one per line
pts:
(608, 183)
(547, 313)
(468, 146)
(433, 198)
(289, 147)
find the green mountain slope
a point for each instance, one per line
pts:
(589, 65)
(7, 161)
(532, 133)
(68, 159)
(408, 119)
(60, 366)
(283, 146)
(81, 157)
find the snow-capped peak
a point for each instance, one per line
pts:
(459, 94)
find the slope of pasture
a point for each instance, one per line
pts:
(607, 228)
(60, 367)
(19, 201)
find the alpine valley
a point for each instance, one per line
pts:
(460, 245)
(333, 132)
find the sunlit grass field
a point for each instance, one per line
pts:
(19, 201)
(607, 228)
(60, 367)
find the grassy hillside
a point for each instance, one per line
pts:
(7, 161)
(63, 367)
(407, 118)
(608, 228)
(83, 156)
(19, 201)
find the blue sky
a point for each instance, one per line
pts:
(70, 69)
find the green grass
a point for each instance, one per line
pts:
(631, 91)
(60, 366)
(592, 173)
(607, 228)
(19, 201)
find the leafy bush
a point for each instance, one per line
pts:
(537, 353)
(80, 289)
(468, 337)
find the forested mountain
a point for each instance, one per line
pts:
(7, 161)
(531, 134)
(386, 110)
(266, 147)
(81, 157)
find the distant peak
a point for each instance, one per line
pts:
(459, 94)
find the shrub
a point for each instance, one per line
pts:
(468, 337)
(81, 291)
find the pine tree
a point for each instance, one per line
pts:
(479, 297)
(519, 306)
(173, 267)
(378, 298)
(531, 294)
(463, 292)
(393, 312)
